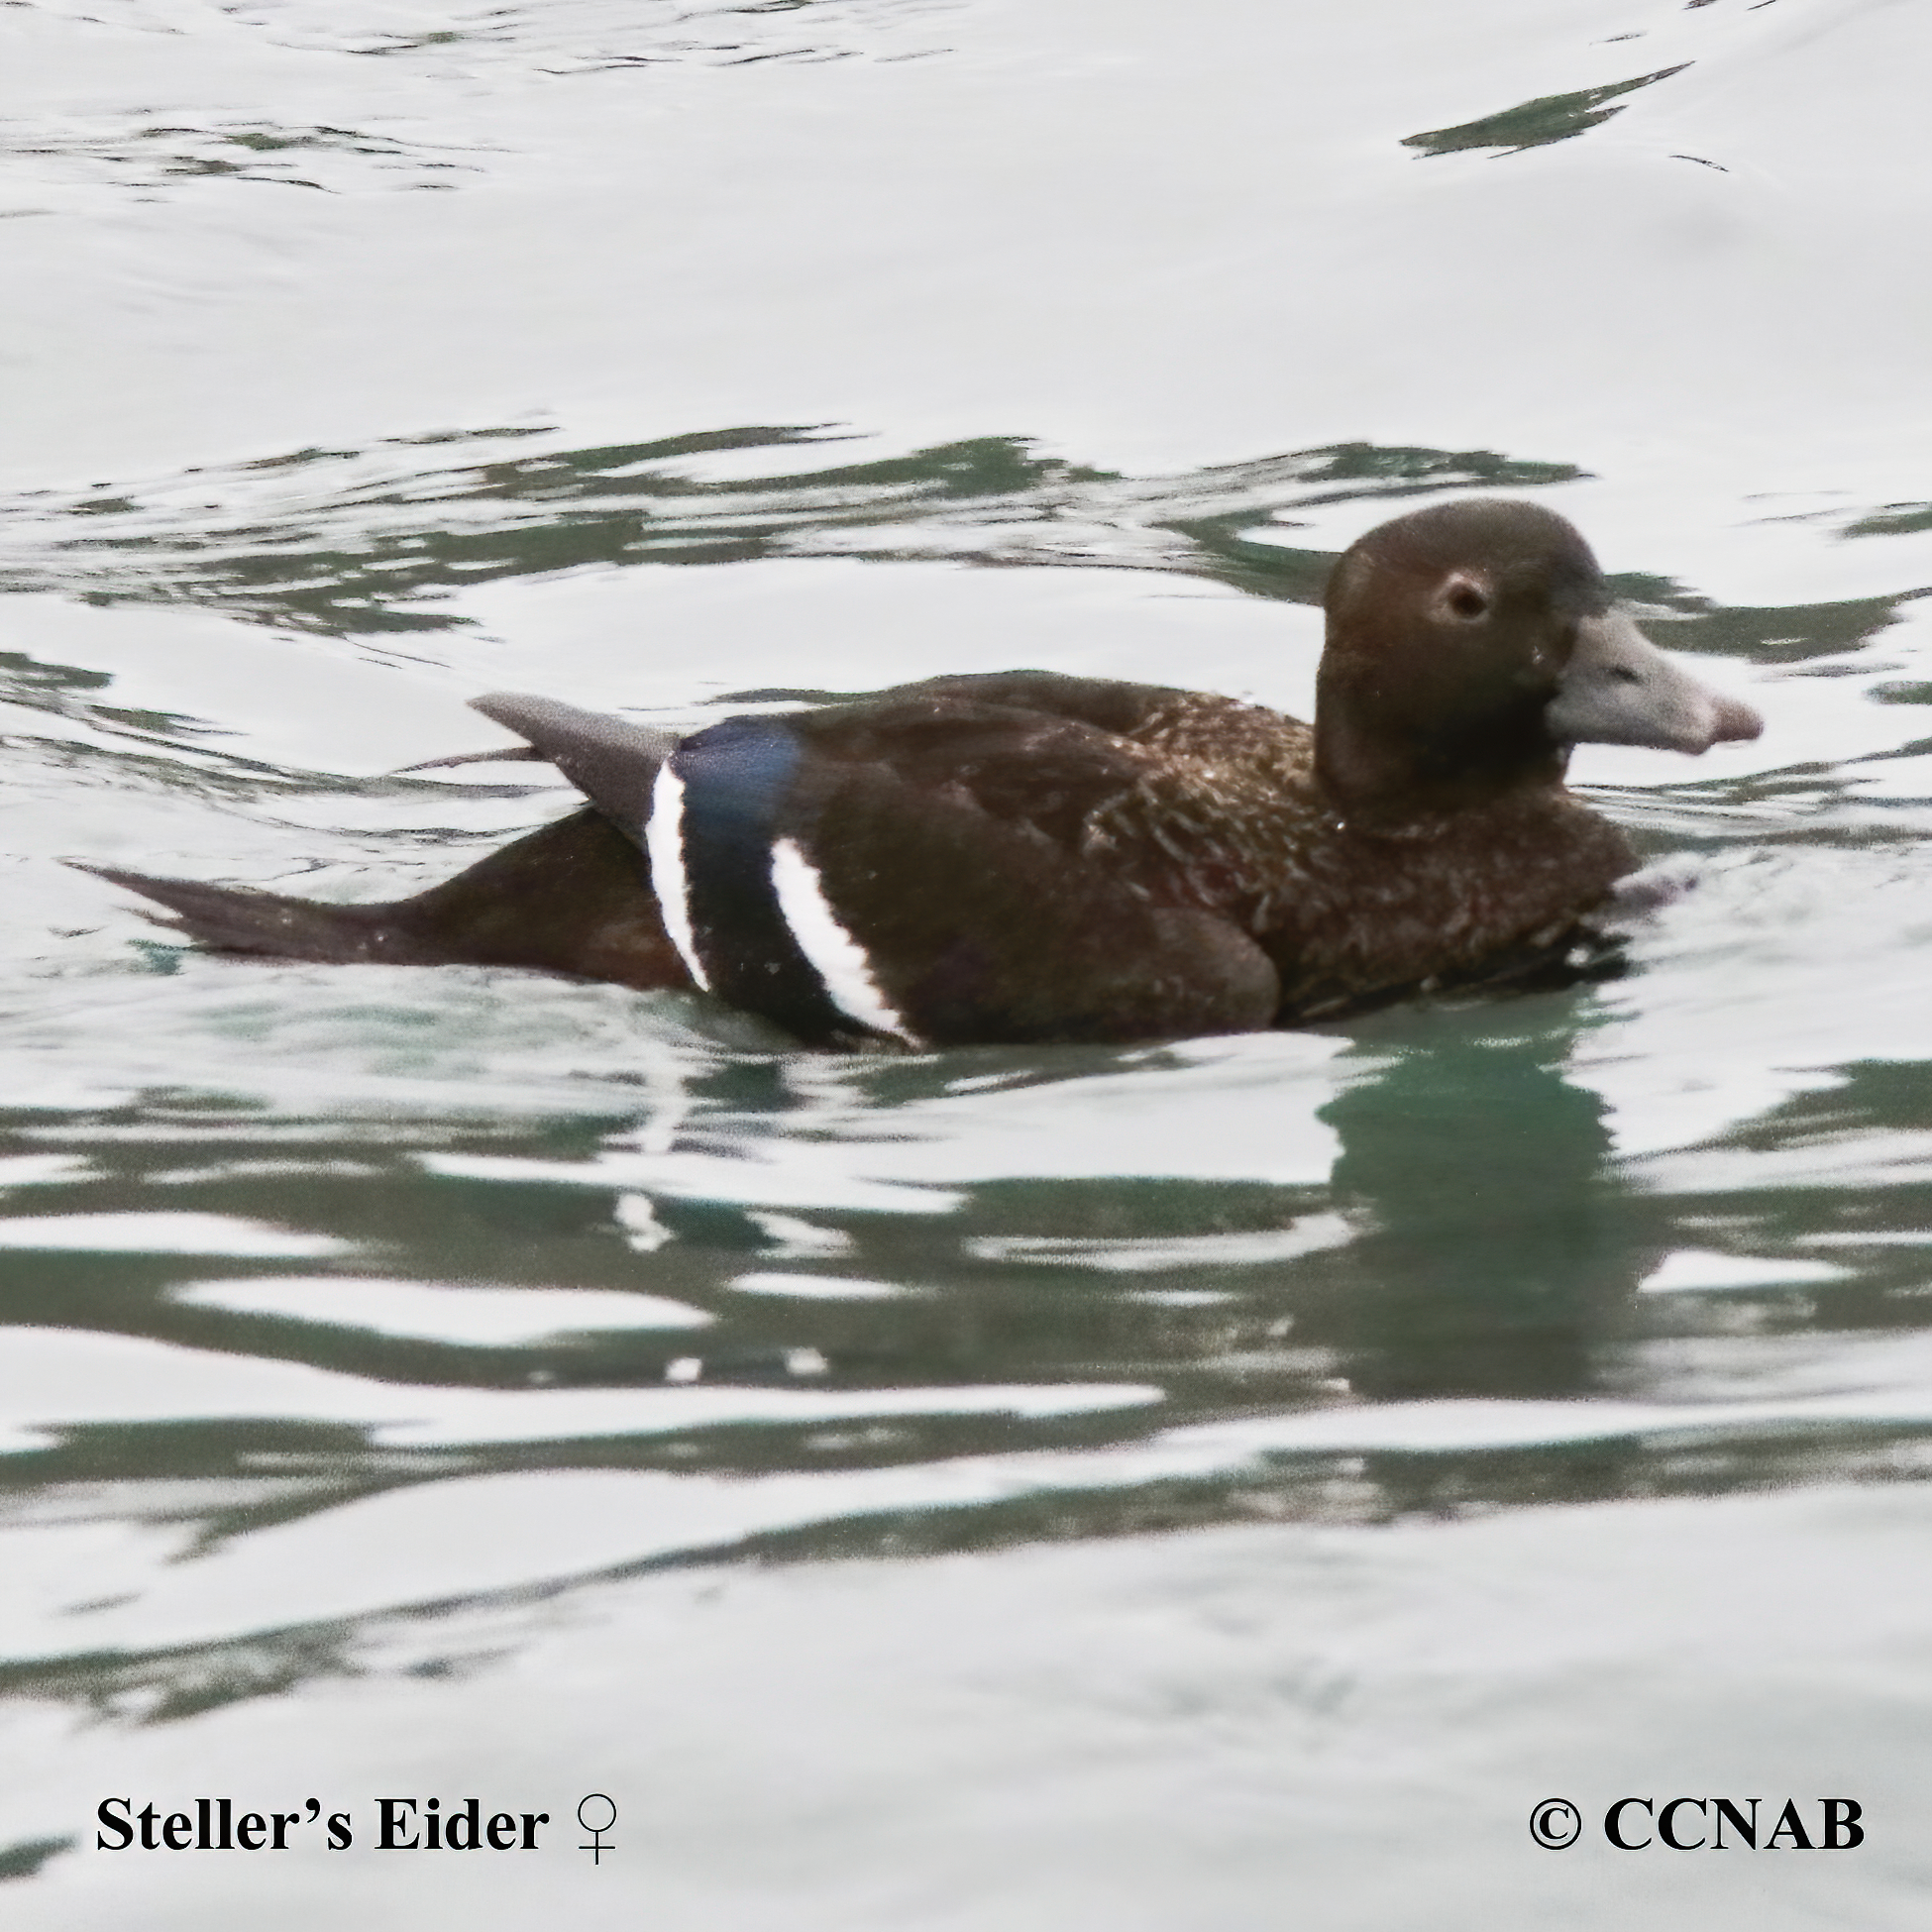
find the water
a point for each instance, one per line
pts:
(1204, 1484)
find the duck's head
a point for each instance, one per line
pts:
(1470, 646)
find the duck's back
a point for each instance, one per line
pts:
(1195, 801)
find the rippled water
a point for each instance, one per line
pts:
(1207, 1484)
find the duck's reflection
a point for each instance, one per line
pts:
(1498, 1246)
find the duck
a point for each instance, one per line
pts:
(1027, 857)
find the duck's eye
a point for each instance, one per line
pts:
(1466, 602)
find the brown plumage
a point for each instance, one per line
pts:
(1032, 857)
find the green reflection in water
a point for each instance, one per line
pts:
(22, 1861)
(1493, 1248)
(363, 544)
(371, 543)
(1500, 1248)
(1894, 521)
(1536, 122)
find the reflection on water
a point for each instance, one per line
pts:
(679, 1298)
(361, 543)
(148, 157)
(1556, 117)
(578, 36)
(1500, 1250)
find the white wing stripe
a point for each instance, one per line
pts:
(833, 954)
(664, 842)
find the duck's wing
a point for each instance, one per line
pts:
(918, 865)
(1109, 704)
(613, 761)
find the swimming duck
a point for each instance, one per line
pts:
(1026, 857)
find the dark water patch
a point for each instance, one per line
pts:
(1774, 635)
(170, 1687)
(1536, 122)
(1430, 1303)
(1894, 521)
(1863, 1100)
(216, 1481)
(159, 1127)
(173, 1684)
(68, 691)
(292, 1459)
(222, 1480)
(23, 1860)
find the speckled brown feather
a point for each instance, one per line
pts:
(1349, 913)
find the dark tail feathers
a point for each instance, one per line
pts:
(238, 918)
(573, 897)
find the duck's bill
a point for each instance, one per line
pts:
(1619, 689)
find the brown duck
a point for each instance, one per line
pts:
(1030, 857)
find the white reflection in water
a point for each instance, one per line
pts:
(162, 1233)
(1692, 1272)
(434, 1311)
(50, 1379)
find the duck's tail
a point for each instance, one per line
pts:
(239, 918)
(573, 897)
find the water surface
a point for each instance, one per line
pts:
(1183, 1484)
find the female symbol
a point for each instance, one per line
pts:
(597, 1848)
